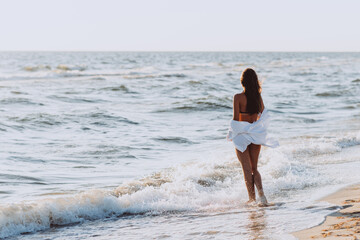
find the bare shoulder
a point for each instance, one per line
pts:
(239, 96)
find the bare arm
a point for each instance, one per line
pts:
(236, 106)
(262, 105)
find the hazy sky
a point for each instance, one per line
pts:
(180, 25)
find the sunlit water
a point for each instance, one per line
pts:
(132, 145)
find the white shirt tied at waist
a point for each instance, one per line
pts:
(243, 133)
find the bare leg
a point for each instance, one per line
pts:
(254, 151)
(245, 161)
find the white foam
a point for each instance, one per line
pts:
(206, 185)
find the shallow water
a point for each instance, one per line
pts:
(126, 144)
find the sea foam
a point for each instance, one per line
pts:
(193, 186)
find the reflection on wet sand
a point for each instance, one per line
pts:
(257, 224)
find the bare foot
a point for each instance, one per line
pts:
(250, 202)
(263, 201)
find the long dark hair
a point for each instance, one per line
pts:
(252, 89)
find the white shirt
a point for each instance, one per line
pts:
(243, 133)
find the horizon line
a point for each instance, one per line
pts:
(191, 51)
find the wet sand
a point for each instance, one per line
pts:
(343, 224)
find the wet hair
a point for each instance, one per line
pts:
(252, 90)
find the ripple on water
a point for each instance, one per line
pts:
(76, 100)
(200, 104)
(329, 94)
(195, 92)
(119, 88)
(21, 177)
(24, 101)
(38, 119)
(101, 116)
(174, 140)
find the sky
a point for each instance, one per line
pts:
(179, 25)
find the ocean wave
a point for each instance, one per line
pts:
(36, 68)
(82, 71)
(106, 152)
(136, 75)
(65, 67)
(54, 75)
(174, 140)
(194, 186)
(121, 88)
(316, 146)
(287, 173)
(75, 99)
(303, 74)
(98, 78)
(20, 177)
(205, 65)
(194, 83)
(329, 94)
(174, 75)
(297, 119)
(88, 104)
(200, 104)
(313, 148)
(19, 93)
(107, 116)
(25, 101)
(348, 142)
(145, 76)
(45, 120)
(168, 190)
(43, 214)
(60, 67)
(39, 119)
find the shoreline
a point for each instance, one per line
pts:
(343, 224)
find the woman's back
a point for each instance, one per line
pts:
(248, 106)
(244, 115)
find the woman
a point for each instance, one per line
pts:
(248, 131)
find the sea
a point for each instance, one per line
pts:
(132, 145)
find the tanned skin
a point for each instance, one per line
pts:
(249, 158)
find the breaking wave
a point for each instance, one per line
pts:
(194, 186)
